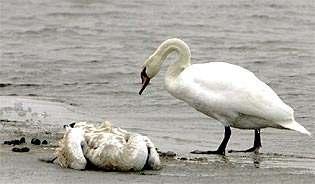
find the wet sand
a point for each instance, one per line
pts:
(184, 168)
(26, 168)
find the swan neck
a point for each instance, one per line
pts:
(183, 52)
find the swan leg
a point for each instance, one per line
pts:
(257, 144)
(221, 148)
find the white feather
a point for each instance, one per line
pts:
(107, 148)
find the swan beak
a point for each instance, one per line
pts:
(144, 80)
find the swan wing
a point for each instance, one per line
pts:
(230, 90)
(70, 153)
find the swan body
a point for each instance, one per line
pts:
(226, 92)
(232, 95)
(107, 148)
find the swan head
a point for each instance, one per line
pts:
(150, 68)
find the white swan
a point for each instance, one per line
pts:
(105, 147)
(228, 93)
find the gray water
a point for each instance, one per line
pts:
(86, 55)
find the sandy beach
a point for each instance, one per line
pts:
(184, 168)
(25, 168)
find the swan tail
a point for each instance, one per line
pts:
(293, 125)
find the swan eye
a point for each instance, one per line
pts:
(144, 80)
(143, 75)
(72, 125)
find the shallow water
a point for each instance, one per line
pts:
(82, 60)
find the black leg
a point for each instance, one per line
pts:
(221, 148)
(257, 144)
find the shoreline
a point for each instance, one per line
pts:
(186, 168)
(27, 168)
